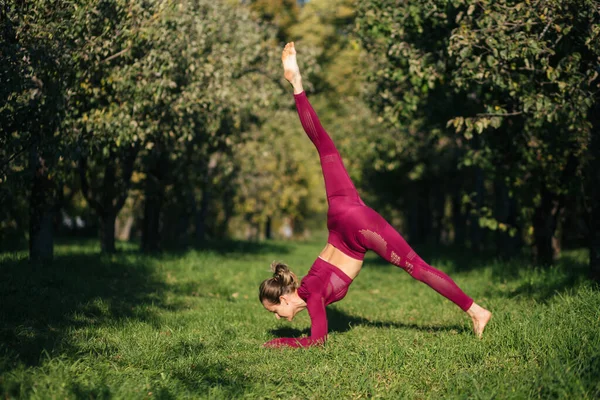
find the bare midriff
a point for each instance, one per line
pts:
(350, 266)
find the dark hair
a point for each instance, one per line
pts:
(283, 282)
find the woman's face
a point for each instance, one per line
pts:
(282, 310)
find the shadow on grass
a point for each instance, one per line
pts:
(176, 249)
(197, 378)
(341, 322)
(543, 283)
(230, 382)
(40, 304)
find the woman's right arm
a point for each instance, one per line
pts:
(315, 305)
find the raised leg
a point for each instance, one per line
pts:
(337, 181)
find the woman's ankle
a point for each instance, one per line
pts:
(297, 84)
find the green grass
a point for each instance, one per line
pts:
(189, 325)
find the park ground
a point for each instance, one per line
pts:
(188, 324)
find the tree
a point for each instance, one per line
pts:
(511, 78)
(280, 13)
(221, 74)
(34, 75)
(107, 120)
(278, 174)
(410, 88)
(592, 196)
(531, 65)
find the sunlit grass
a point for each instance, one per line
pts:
(189, 325)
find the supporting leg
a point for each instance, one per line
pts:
(391, 246)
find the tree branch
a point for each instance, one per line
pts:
(128, 171)
(545, 29)
(500, 114)
(116, 55)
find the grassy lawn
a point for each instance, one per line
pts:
(189, 325)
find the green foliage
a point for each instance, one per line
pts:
(279, 174)
(169, 84)
(325, 31)
(34, 70)
(474, 101)
(530, 67)
(189, 325)
(282, 14)
(325, 27)
(173, 77)
(505, 88)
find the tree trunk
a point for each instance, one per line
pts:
(106, 212)
(545, 220)
(201, 214)
(438, 202)
(228, 210)
(418, 215)
(123, 227)
(268, 225)
(458, 219)
(475, 231)
(514, 242)
(593, 183)
(41, 211)
(501, 210)
(182, 227)
(108, 199)
(595, 239)
(506, 212)
(412, 217)
(425, 215)
(152, 210)
(107, 232)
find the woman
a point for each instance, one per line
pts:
(354, 228)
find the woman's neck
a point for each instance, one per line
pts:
(297, 302)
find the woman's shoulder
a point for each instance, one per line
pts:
(310, 285)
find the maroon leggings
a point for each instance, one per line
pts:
(355, 228)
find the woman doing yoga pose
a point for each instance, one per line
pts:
(353, 228)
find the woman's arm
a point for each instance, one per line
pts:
(318, 329)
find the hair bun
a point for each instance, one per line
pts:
(282, 273)
(283, 282)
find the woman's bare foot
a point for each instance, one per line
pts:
(291, 71)
(480, 317)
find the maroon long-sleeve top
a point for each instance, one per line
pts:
(324, 284)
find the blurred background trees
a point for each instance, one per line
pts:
(504, 92)
(168, 122)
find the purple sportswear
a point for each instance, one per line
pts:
(353, 228)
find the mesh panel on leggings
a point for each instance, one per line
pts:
(409, 268)
(337, 283)
(310, 127)
(335, 286)
(374, 241)
(395, 258)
